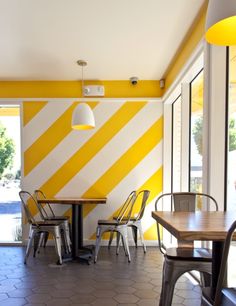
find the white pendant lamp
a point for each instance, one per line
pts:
(82, 118)
(221, 22)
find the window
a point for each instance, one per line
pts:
(176, 145)
(196, 133)
(231, 149)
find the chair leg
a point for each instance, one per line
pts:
(139, 226)
(38, 237)
(57, 239)
(170, 276)
(205, 279)
(110, 239)
(46, 234)
(41, 240)
(135, 235)
(124, 234)
(117, 243)
(98, 241)
(29, 244)
(67, 237)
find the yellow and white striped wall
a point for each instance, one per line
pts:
(123, 153)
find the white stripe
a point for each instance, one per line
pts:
(112, 151)
(67, 148)
(42, 121)
(133, 181)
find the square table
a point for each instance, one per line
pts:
(205, 225)
(78, 250)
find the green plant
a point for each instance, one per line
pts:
(7, 150)
(18, 233)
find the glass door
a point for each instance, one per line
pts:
(10, 165)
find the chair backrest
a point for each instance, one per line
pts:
(223, 266)
(125, 212)
(143, 196)
(182, 201)
(26, 200)
(186, 201)
(39, 195)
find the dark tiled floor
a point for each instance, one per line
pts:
(112, 281)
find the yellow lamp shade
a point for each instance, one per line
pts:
(83, 118)
(221, 22)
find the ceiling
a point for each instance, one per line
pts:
(43, 39)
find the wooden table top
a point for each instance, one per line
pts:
(196, 225)
(73, 201)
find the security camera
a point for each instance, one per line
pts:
(134, 80)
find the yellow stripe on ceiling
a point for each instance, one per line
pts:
(9, 111)
(154, 184)
(50, 139)
(110, 128)
(31, 109)
(104, 185)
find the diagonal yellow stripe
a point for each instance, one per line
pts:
(154, 184)
(116, 122)
(63, 175)
(31, 109)
(49, 139)
(125, 164)
(151, 233)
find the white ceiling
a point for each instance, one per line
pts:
(43, 39)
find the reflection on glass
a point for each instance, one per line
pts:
(176, 166)
(231, 181)
(196, 133)
(231, 177)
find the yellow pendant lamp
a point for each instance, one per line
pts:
(83, 117)
(221, 22)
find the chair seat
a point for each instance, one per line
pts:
(110, 222)
(46, 223)
(200, 254)
(59, 218)
(125, 219)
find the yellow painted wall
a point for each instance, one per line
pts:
(123, 153)
(72, 89)
(194, 36)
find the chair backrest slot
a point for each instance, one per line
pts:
(125, 212)
(143, 194)
(26, 200)
(39, 195)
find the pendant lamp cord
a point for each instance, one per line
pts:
(82, 83)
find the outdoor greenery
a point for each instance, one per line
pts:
(197, 134)
(7, 151)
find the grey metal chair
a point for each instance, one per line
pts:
(183, 258)
(120, 226)
(135, 221)
(39, 228)
(47, 214)
(223, 296)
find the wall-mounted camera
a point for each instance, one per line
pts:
(134, 80)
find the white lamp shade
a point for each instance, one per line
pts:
(83, 118)
(221, 22)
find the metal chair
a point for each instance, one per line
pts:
(183, 258)
(48, 215)
(120, 226)
(223, 296)
(135, 221)
(39, 228)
